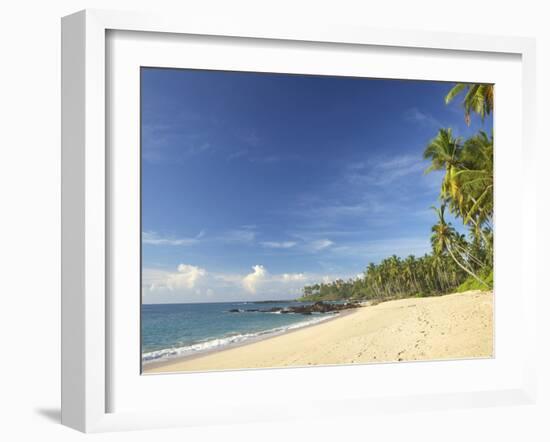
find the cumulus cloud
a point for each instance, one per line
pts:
(252, 280)
(287, 277)
(262, 282)
(190, 283)
(186, 277)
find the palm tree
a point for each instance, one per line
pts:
(442, 238)
(477, 180)
(410, 271)
(468, 181)
(479, 98)
(445, 152)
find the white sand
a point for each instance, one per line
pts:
(446, 327)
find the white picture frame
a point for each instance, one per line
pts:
(86, 235)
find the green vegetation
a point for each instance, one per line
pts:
(456, 263)
(478, 98)
(473, 284)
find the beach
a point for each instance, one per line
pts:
(454, 326)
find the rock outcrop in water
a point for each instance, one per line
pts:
(317, 307)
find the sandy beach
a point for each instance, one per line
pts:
(452, 326)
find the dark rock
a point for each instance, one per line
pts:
(317, 307)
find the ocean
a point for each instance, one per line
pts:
(174, 330)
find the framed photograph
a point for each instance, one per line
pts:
(262, 222)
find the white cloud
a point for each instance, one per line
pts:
(186, 277)
(415, 115)
(321, 244)
(338, 210)
(243, 234)
(278, 245)
(160, 138)
(153, 238)
(384, 171)
(385, 247)
(375, 189)
(189, 283)
(287, 277)
(252, 280)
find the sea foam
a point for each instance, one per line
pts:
(219, 343)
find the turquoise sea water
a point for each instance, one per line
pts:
(171, 330)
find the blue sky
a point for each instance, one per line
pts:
(254, 185)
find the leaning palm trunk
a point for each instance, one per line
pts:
(464, 252)
(463, 267)
(488, 243)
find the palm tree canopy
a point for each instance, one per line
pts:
(478, 98)
(442, 232)
(476, 179)
(445, 153)
(444, 150)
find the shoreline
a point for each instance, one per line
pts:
(452, 326)
(155, 364)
